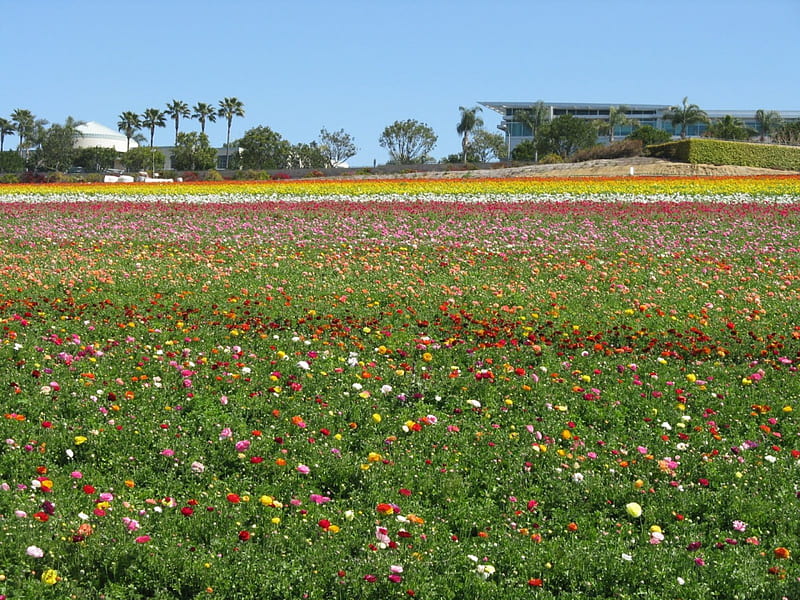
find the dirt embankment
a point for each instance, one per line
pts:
(642, 167)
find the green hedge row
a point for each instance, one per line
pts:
(719, 152)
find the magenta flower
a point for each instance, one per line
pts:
(303, 469)
(242, 445)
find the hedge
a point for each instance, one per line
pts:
(719, 152)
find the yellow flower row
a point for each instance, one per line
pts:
(766, 185)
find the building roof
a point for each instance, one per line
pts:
(94, 134)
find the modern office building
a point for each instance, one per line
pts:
(642, 114)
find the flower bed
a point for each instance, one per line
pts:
(256, 397)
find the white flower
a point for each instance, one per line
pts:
(474, 403)
(770, 459)
(304, 365)
(627, 557)
(34, 551)
(577, 477)
(485, 571)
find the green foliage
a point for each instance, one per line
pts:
(213, 175)
(718, 152)
(565, 135)
(192, 152)
(95, 159)
(524, 151)
(408, 142)
(730, 128)
(9, 178)
(649, 135)
(622, 149)
(788, 133)
(336, 146)
(551, 159)
(11, 162)
(263, 148)
(307, 156)
(142, 159)
(684, 115)
(57, 145)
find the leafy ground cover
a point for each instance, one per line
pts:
(539, 391)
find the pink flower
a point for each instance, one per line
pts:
(34, 551)
(76, 474)
(739, 525)
(699, 561)
(142, 539)
(243, 445)
(303, 469)
(225, 433)
(167, 452)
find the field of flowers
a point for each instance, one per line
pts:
(385, 389)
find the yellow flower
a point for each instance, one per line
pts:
(50, 576)
(633, 509)
(374, 457)
(79, 439)
(376, 417)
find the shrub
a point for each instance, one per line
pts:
(649, 135)
(719, 152)
(250, 175)
(551, 159)
(524, 151)
(622, 149)
(9, 178)
(278, 176)
(213, 175)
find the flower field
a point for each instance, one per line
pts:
(383, 389)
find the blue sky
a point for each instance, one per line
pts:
(359, 66)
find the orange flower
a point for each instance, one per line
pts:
(781, 552)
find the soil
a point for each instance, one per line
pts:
(642, 167)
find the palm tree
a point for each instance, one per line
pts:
(534, 118)
(469, 121)
(730, 128)
(616, 118)
(23, 124)
(768, 121)
(129, 123)
(204, 112)
(152, 118)
(685, 115)
(177, 109)
(229, 108)
(6, 128)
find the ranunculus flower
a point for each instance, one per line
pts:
(303, 469)
(634, 509)
(34, 551)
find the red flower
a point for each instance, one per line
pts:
(187, 511)
(89, 489)
(535, 582)
(233, 498)
(244, 535)
(405, 492)
(324, 523)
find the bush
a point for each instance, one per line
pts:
(718, 152)
(278, 176)
(622, 149)
(11, 162)
(9, 178)
(649, 135)
(250, 175)
(551, 159)
(524, 151)
(213, 175)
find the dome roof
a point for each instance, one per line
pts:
(94, 134)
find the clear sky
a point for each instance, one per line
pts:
(302, 65)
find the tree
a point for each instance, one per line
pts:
(57, 145)
(141, 158)
(564, 135)
(408, 141)
(152, 118)
(525, 151)
(768, 121)
(684, 115)
(788, 133)
(307, 156)
(175, 110)
(336, 146)
(469, 121)
(23, 120)
(11, 162)
(617, 117)
(262, 148)
(95, 159)
(193, 152)
(487, 146)
(204, 112)
(649, 135)
(6, 128)
(229, 108)
(534, 117)
(129, 123)
(730, 128)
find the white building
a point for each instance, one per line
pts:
(95, 135)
